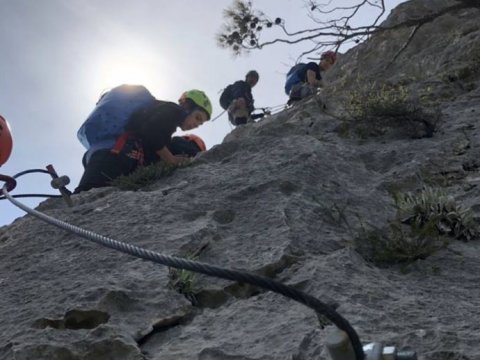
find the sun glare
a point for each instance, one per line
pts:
(115, 68)
(125, 72)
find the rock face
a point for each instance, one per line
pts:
(285, 198)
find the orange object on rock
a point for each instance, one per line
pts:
(6, 141)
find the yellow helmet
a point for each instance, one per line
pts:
(199, 98)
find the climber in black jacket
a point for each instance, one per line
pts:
(237, 99)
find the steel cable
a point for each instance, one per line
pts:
(31, 171)
(319, 307)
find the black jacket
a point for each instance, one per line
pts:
(155, 125)
(242, 89)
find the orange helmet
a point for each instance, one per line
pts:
(197, 140)
(6, 141)
(332, 55)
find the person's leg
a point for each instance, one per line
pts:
(307, 90)
(231, 118)
(300, 91)
(295, 93)
(239, 114)
(231, 111)
(241, 121)
(102, 168)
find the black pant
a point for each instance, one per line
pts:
(103, 167)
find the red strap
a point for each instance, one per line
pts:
(120, 143)
(134, 154)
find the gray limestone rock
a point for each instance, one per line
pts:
(285, 198)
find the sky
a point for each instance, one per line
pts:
(58, 56)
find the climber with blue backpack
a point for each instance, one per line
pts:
(304, 78)
(237, 99)
(129, 128)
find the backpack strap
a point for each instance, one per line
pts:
(120, 143)
(136, 153)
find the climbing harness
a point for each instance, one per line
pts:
(272, 110)
(266, 111)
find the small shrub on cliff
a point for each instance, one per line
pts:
(433, 210)
(424, 222)
(183, 281)
(370, 100)
(375, 108)
(143, 176)
(396, 244)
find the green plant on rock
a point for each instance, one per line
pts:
(143, 176)
(183, 281)
(372, 99)
(425, 223)
(396, 244)
(375, 107)
(433, 210)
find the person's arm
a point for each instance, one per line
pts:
(169, 158)
(155, 127)
(249, 99)
(312, 79)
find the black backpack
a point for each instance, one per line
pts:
(226, 97)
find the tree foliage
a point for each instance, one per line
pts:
(246, 28)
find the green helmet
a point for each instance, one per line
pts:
(199, 98)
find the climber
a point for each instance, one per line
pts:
(303, 79)
(237, 99)
(6, 141)
(145, 139)
(186, 145)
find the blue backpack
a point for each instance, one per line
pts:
(293, 77)
(107, 121)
